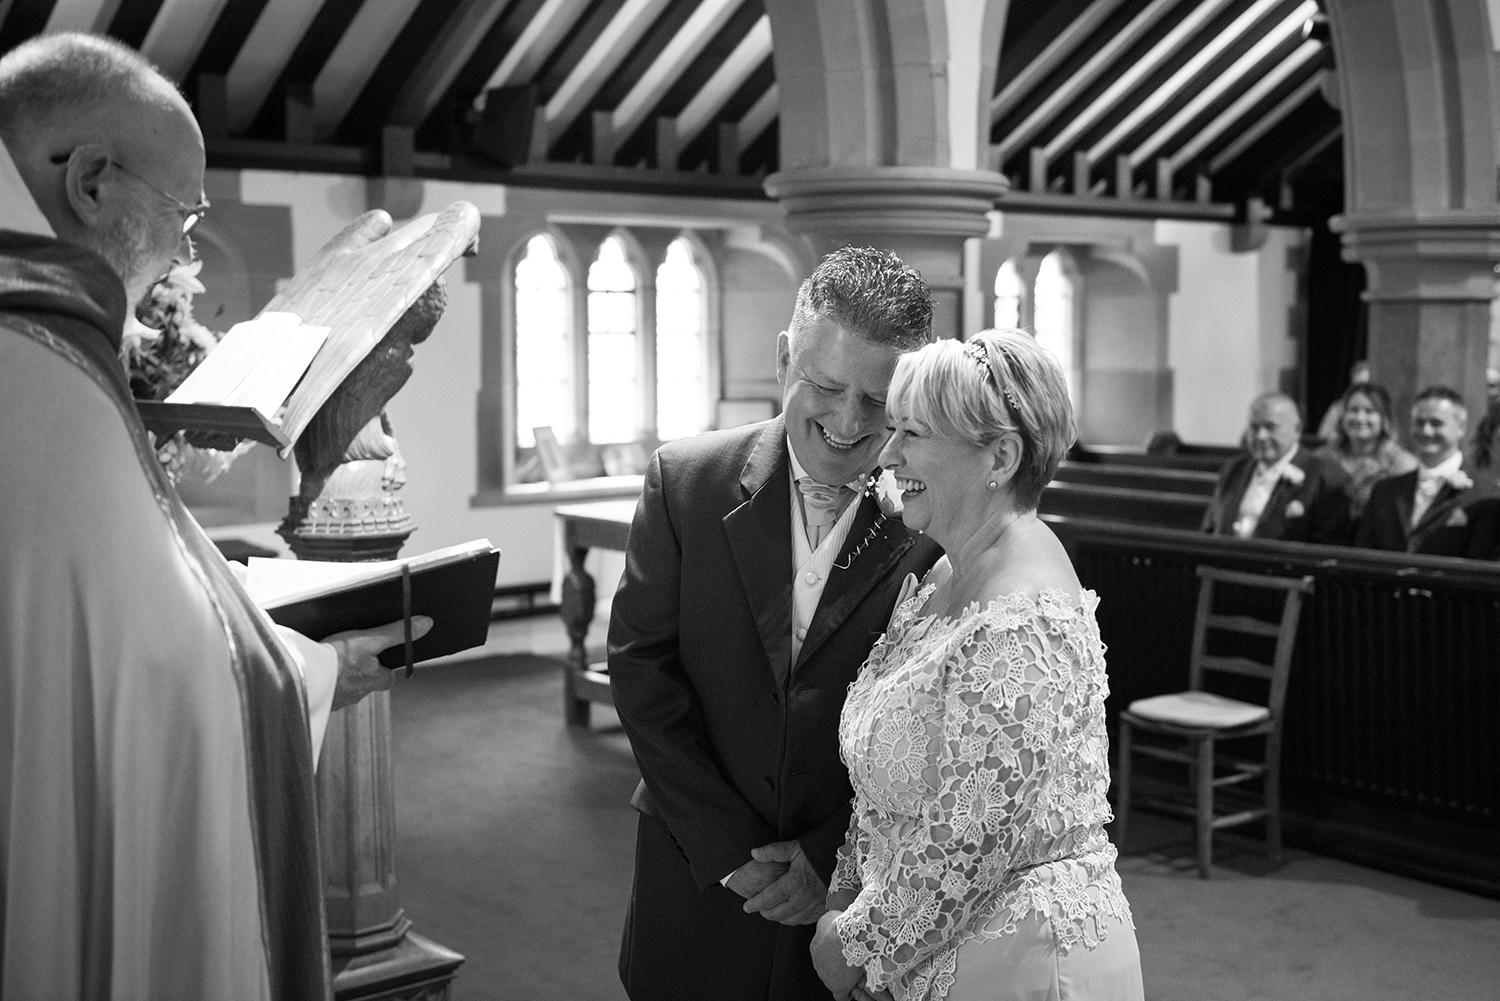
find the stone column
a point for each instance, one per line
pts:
(349, 509)
(922, 214)
(1431, 277)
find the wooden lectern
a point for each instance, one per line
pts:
(381, 292)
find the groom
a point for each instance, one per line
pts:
(759, 572)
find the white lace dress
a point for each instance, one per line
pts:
(979, 759)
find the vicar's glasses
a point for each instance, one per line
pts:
(192, 215)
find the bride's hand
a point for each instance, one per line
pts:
(860, 994)
(828, 959)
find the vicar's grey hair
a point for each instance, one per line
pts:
(871, 293)
(50, 78)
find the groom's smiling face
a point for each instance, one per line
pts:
(834, 385)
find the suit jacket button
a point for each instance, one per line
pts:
(770, 782)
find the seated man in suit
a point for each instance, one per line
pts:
(1278, 490)
(1439, 508)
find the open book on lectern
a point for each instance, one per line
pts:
(267, 378)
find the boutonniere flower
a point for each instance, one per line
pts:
(887, 494)
(1459, 480)
(1293, 475)
(1295, 509)
(1457, 519)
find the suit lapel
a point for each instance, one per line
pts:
(1229, 506)
(852, 575)
(1273, 516)
(760, 540)
(1441, 507)
(1405, 500)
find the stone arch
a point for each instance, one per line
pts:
(881, 83)
(1419, 86)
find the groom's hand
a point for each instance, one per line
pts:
(798, 897)
(752, 877)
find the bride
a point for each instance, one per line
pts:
(976, 864)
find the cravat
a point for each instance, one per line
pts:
(820, 507)
(1428, 485)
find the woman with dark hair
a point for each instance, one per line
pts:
(1363, 443)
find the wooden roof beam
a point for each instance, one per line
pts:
(1084, 77)
(347, 70)
(261, 59)
(443, 60)
(1251, 135)
(1227, 118)
(1282, 32)
(754, 49)
(1057, 50)
(696, 32)
(601, 59)
(1170, 44)
(542, 35)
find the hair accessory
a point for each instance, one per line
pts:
(975, 350)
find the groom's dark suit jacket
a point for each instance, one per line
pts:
(1458, 522)
(737, 746)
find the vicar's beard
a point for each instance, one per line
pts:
(127, 249)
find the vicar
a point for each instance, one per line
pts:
(1277, 489)
(1438, 508)
(760, 570)
(157, 823)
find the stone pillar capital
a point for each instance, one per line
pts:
(927, 201)
(922, 214)
(1424, 256)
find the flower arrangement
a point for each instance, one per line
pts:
(161, 345)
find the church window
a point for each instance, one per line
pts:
(1055, 316)
(544, 384)
(614, 359)
(681, 349)
(1008, 292)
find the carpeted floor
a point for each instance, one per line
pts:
(515, 841)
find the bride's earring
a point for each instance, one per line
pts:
(993, 485)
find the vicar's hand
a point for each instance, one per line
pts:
(360, 671)
(828, 960)
(797, 898)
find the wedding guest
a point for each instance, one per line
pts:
(1277, 489)
(976, 864)
(157, 734)
(1444, 507)
(1364, 445)
(760, 569)
(1486, 447)
(1328, 427)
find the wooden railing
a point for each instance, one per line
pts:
(1392, 753)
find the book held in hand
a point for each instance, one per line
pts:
(455, 587)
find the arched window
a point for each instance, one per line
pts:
(1008, 292)
(681, 355)
(614, 363)
(544, 390)
(1054, 317)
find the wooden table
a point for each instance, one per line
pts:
(603, 525)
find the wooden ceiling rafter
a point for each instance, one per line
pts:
(1296, 69)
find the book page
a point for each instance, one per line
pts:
(257, 364)
(272, 582)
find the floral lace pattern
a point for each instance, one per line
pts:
(977, 750)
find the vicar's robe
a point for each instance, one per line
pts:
(157, 818)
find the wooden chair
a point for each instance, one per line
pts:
(1192, 722)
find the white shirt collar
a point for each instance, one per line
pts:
(1444, 469)
(18, 209)
(799, 471)
(1274, 469)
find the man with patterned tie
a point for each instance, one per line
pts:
(1437, 508)
(761, 569)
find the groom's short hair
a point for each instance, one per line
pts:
(869, 292)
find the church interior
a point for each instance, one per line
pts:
(1190, 203)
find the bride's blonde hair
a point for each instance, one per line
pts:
(975, 391)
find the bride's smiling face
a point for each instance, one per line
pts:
(943, 481)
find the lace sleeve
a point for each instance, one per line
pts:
(846, 864)
(986, 760)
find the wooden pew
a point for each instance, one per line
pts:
(1392, 732)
